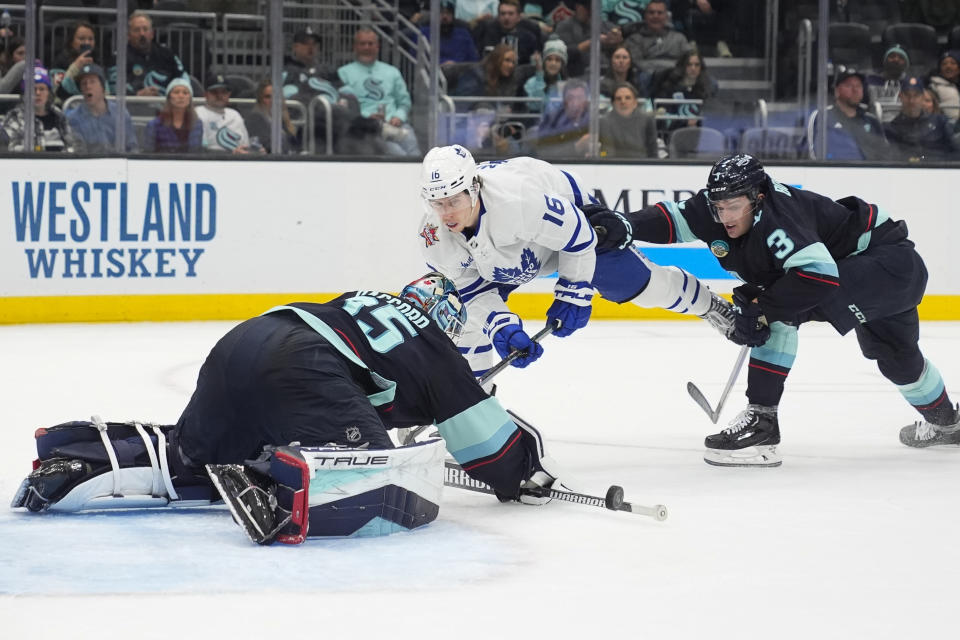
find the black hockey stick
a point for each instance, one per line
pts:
(701, 400)
(413, 432)
(516, 353)
(455, 476)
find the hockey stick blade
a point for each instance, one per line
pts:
(701, 400)
(455, 476)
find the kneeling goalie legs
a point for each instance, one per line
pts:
(291, 493)
(748, 441)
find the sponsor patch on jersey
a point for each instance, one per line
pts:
(429, 234)
(719, 248)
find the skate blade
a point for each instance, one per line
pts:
(762, 456)
(239, 511)
(20, 500)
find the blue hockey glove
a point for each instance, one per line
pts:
(613, 229)
(571, 306)
(749, 327)
(507, 334)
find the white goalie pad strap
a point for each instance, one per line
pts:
(102, 430)
(154, 465)
(129, 488)
(164, 465)
(338, 473)
(672, 289)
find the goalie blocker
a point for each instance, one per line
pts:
(291, 493)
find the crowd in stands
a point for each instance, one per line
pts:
(518, 73)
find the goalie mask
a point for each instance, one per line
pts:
(448, 171)
(439, 299)
(736, 175)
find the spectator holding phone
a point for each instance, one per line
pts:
(79, 52)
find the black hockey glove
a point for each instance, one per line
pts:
(750, 327)
(613, 229)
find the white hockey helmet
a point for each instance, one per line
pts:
(447, 171)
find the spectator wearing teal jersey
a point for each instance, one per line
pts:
(381, 91)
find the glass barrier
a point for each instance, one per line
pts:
(610, 81)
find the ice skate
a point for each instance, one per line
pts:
(720, 315)
(253, 506)
(49, 482)
(923, 434)
(748, 441)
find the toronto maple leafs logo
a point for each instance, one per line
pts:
(429, 234)
(529, 267)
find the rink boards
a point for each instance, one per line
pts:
(117, 239)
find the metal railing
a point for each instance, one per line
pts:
(241, 46)
(298, 112)
(804, 63)
(312, 125)
(177, 30)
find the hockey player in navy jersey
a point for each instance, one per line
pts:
(498, 225)
(337, 374)
(803, 257)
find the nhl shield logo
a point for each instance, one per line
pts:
(429, 234)
(719, 248)
(353, 434)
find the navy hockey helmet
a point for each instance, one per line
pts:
(438, 298)
(735, 175)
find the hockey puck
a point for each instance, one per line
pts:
(614, 499)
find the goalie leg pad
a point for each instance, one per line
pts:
(94, 464)
(339, 492)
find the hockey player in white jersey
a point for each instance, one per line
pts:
(498, 225)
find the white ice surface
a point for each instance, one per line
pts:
(855, 536)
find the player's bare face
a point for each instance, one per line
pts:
(736, 215)
(456, 212)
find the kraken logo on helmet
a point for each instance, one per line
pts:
(439, 299)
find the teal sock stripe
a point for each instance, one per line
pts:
(780, 349)
(925, 390)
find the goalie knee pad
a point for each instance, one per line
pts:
(334, 491)
(105, 465)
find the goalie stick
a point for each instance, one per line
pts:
(701, 400)
(455, 476)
